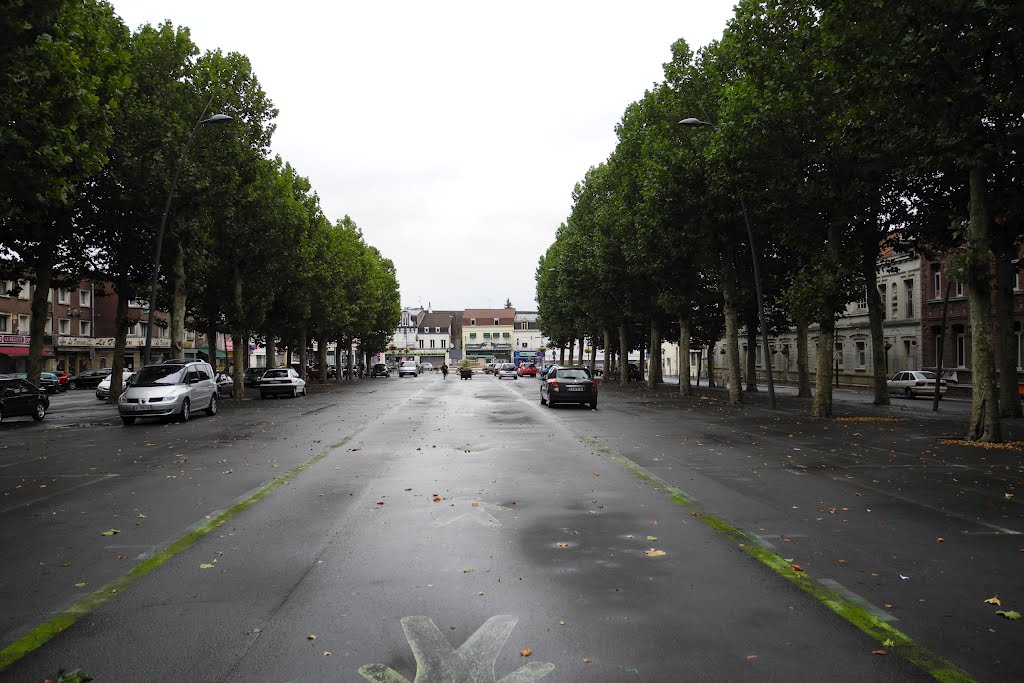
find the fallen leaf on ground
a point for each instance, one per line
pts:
(995, 601)
(1010, 614)
(595, 474)
(879, 652)
(888, 642)
(380, 502)
(652, 538)
(437, 499)
(751, 658)
(327, 653)
(79, 585)
(526, 652)
(654, 553)
(311, 637)
(110, 532)
(587, 660)
(206, 565)
(561, 545)
(796, 567)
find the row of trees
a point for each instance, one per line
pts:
(97, 119)
(836, 128)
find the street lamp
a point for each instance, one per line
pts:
(696, 123)
(216, 118)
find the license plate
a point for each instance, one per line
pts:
(572, 388)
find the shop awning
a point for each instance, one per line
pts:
(14, 350)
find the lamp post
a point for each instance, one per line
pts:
(696, 123)
(216, 118)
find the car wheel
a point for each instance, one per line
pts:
(303, 391)
(185, 412)
(908, 393)
(128, 421)
(40, 412)
(62, 388)
(551, 404)
(593, 405)
(212, 409)
(72, 385)
(543, 401)
(295, 392)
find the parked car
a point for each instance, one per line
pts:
(465, 372)
(103, 389)
(914, 383)
(546, 369)
(88, 379)
(528, 370)
(490, 368)
(251, 377)
(21, 397)
(380, 370)
(225, 385)
(282, 382)
(407, 367)
(570, 384)
(63, 379)
(49, 382)
(598, 371)
(507, 370)
(169, 389)
(332, 371)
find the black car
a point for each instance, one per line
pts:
(380, 370)
(251, 377)
(571, 384)
(19, 397)
(88, 379)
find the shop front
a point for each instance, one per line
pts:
(490, 352)
(14, 353)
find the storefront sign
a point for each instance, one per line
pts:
(95, 342)
(15, 339)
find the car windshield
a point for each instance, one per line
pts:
(158, 375)
(378, 366)
(572, 373)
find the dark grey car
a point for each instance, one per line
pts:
(572, 384)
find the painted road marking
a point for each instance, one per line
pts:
(473, 662)
(93, 479)
(477, 514)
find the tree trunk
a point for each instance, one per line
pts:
(654, 368)
(321, 352)
(940, 352)
(583, 347)
(270, 359)
(561, 355)
(593, 358)
(608, 357)
(211, 340)
(178, 304)
(803, 371)
(350, 360)
(238, 354)
(1009, 400)
(712, 384)
(751, 357)
(685, 388)
(732, 345)
(623, 356)
(303, 354)
(985, 398)
(124, 294)
(822, 405)
(40, 309)
(869, 267)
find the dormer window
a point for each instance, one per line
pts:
(496, 321)
(472, 321)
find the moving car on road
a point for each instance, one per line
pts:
(507, 370)
(914, 383)
(169, 389)
(88, 379)
(570, 384)
(380, 370)
(528, 370)
(282, 382)
(103, 390)
(407, 367)
(20, 397)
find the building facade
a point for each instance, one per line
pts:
(487, 334)
(529, 345)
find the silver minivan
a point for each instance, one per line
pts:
(173, 388)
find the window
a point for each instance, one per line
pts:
(431, 343)
(487, 335)
(24, 324)
(472, 335)
(472, 321)
(5, 322)
(961, 346)
(437, 330)
(86, 328)
(862, 354)
(23, 294)
(444, 343)
(496, 322)
(838, 357)
(421, 343)
(908, 287)
(64, 296)
(506, 335)
(48, 329)
(936, 281)
(881, 296)
(137, 303)
(84, 298)
(1016, 281)
(958, 289)
(63, 326)
(524, 326)
(862, 303)
(6, 287)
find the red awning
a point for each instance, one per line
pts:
(14, 350)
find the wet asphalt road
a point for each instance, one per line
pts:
(418, 515)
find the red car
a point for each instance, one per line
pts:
(62, 380)
(530, 370)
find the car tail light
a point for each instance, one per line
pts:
(593, 383)
(553, 384)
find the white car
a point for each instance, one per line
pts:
(914, 383)
(282, 382)
(407, 367)
(507, 370)
(103, 388)
(427, 367)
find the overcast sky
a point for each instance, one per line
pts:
(451, 132)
